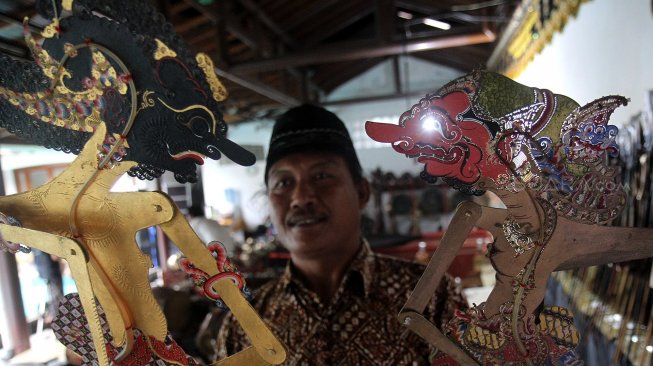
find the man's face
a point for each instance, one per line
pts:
(315, 203)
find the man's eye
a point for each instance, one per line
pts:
(281, 183)
(321, 176)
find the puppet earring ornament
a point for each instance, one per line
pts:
(519, 241)
(544, 156)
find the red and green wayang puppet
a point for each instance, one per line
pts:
(546, 158)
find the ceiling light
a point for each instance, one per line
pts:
(404, 15)
(436, 23)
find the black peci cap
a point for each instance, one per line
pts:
(309, 128)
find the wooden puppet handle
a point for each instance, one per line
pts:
(267, 346)
(462, 223)
(70, 251)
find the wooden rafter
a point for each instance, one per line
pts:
(271, 24)
(282, 52)
(346, 51)
(342, 17)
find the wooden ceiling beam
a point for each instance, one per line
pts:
(304, 76)
(204, 35)
(271, 24)
(231, 25)
(385, 20)
(463, 58)
(17, 20)
(424, 7)
(177, 8)
(189, 24)
(347, 51)
(378, 98)
(300, 16)
(396, 73)
(323, 30)
(15, 49)
(331, 76)
(452, 62)
(207, 46)
(222, 39)
(259, 88)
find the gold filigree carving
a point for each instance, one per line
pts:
(519, 241)
(70, 50)
(51, 29)
(146, 100)
(219, 91)
(162, 50)
(67, 5)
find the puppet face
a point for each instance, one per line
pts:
(443, 134)
(157, 101)
(484, 131)
(182, 124)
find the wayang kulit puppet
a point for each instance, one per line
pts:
(114, 84)
(547, 159)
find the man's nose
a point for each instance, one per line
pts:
(304, 194)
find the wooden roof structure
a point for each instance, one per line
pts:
(272, 54)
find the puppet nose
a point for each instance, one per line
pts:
(235, 152)
(383, 132)
(389, 133)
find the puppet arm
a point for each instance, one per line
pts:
(77, 259)
(601, 244)
(267, 347)
(467, 215)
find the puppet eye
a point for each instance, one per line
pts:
(199, 126)
(430, 124)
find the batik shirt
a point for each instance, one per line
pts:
(358, 327)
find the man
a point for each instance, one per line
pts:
(337, 302)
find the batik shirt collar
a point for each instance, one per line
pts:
(361, 268)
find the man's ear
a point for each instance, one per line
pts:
(363, 193)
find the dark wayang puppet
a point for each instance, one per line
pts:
(114, 84)
(546, 158)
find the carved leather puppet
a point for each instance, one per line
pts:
(546, 158)
(113, 83)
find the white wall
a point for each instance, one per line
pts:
(607, 49)
(416, 75)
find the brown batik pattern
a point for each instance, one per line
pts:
(358, 327)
